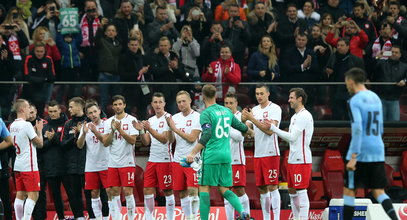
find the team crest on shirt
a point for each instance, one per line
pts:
(189, 122)
(59, 129)
(44, 65)
(161, 125)
(125, 127)
(265, 114)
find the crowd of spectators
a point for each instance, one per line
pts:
(228, 41)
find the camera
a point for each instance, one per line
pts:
(91, 10)
(15, 15)
(236, 18)
(52, 8)
(9, 27)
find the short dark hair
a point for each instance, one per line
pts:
(53, 103)
(300, 92)
(77, 100)
(345, 40)
(291, 5)
(231, 95)
(359, 4)
(160, 8)
(89, 105)
(234, 5)
(395, 3)
(119, 97)
(356, 74)
(258, 86)
(209, 91)
(159, 95)
(396, 46)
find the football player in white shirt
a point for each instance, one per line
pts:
(187, 128)
(120, 136)
(97, 156)
(266, 151)
(158, 171)
(300, 159)
(238, 160)
(25, 138)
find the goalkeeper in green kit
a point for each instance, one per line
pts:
(216, 170)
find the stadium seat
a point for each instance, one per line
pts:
(138, 186)
(252, 191)
(283, 166)
(389, 174)
(315, 203)
(332, 170)
(216, 198)
(403, 169)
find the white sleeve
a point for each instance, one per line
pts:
(236, 135)
(287, 136)
(107, 129)
(300, 123)
(196, 125)
(29, 129)
(276, 114)
(132, 130)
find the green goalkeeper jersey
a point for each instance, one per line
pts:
(216, 121)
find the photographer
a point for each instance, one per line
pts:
(16, 41)
(357, 36)
(188, 50)
(47, 16)
(211, 45)
(236, 31)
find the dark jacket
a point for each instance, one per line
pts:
(74, 157)
(39, 73)
(291, 64)
(123, 26)
(69, 51)
(154, 34)
(259, 62)
(258, 28)
(389, 71)
(335, 12)
(340, 63)
(129, 66)
(7, 71)
(161, 73)
(237, 37)
(108, 52)
(51, 152)
(285, 32)
(322, 58)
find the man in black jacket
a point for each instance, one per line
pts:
(132, 68)
(52, 156)
(8, 73)
(337, 65)
(74, 157)
(391, 70)
(125, 21)
(166, 67)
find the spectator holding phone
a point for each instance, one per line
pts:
(161, 27)
(14, 16)
(47, 16)
(42, 35)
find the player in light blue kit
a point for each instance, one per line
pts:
(5, 136)
(365, 157)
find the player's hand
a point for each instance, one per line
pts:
(118, 125)
(268, 124)
(92, 128)
(39, 125)
(113, 125)
(50, 134)
(351, 165)
(190, 158)
(137, 125)
(146, 125)
(248, 114)
(249, 133)
(170, 122)
(402, 83)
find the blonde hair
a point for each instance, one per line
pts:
(270, 53)
(10, 20)
(183, 92)
(36, 33)
(140, 39)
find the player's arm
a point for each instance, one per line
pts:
(131, 139)
(287, 136)
(5, 135)
(81, 140)
(206, 136)
(236, 135)
(357, 130)
(108, 138)
(38, 140)
(161, 137)
(191, 138)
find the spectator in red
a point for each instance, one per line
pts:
(222, 11)
(42, 35)
(223, 70)
(357, 37)
(39, 72)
